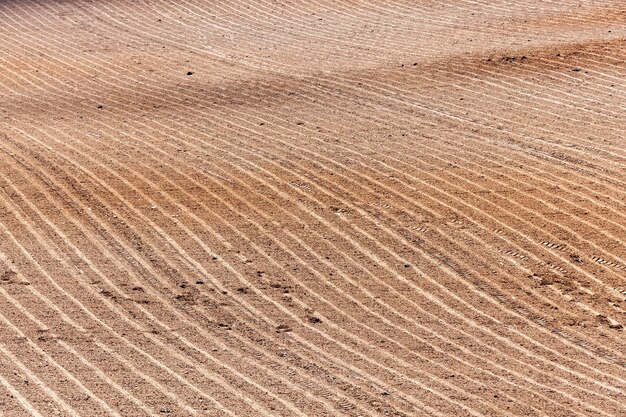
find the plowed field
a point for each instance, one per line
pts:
(312, 208)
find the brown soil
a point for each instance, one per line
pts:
(315, 208)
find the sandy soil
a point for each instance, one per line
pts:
(313, 208)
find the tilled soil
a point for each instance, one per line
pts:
(314, 208)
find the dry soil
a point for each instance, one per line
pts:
(312, 208)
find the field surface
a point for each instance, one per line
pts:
(312, 208)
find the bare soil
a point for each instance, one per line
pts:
(312, 208)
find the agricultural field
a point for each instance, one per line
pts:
(313, 208)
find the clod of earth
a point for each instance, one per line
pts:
(283, 328)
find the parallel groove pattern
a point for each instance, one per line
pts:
(312, 208)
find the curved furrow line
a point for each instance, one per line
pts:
(478, 155)
(337, 37)
(615, 157)
(529, 69)
(410, 103)
(391, 95)
(15, 362)
(597, 283)
(529, 104)
(142, 330)
(86, 391)
(334, 211)
(617, 65)
(152, 8)
(151, 380)
(618, 214)
(266, 23)
(539, 9)
(483, 30)
(286, 249)
(186, 45)
(381, 107)
(22, 403)
(259, 250)
(614, 78)
(40, 297)
(305, 323)
(103, 376)
(617, 236)
(550, 67)
(264, 19)
(334, 34)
